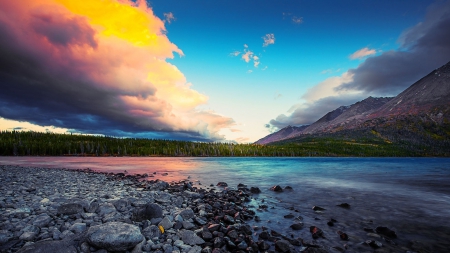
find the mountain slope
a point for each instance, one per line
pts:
(281, 134)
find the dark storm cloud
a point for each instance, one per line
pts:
(423, 48)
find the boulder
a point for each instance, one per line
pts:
(255, 190)
(121, 205)
(49, 246)
(106, 208)
(114, 236)
(151, 232)
(42, 220)
(222, 184)
(297, 226)
(386, 232)
(147, 212)
(282, 246)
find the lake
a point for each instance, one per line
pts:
(409, 195)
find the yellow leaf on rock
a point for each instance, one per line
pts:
(161, 228)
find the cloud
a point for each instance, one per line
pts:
(297, 20)
(423, 48)
(247, 56)
(235, 53)
(269, 39)
(67, 65)
(169, 17)
(255, 61)
(363, 52)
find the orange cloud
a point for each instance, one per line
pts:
(116, 50)
(363, 52)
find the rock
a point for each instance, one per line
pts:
(31, 228)
(264, 235)
(42, 220)
(276, 188)
(318, 208)
(229, 219)
(242, 245)
(344, 205)
(255, 190)
(114, 236)
(330, 223)
(151, 232)
(386, 232)
(246, 229)
(187, 214)
(78, 228)
(213, 227)
(289, 216)
(297, 226)
(49, 246)
(374, 244)
(70, 208)
(200, 221)
(190, 238)
(342, 235)
(121, 205)
(187, 225)
(166, 223)
(195, 249)
(105, 209)
(149, 211)
(28, 236)
(282, 246)
(222, 184)
(263, 246)
(289, 188)
(316, 232)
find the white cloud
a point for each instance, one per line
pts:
(328, 87)
(247, 56)
(297, 20)
(255, 61)
(235, 53)
(269, 39)
(363, 52)
(169, 17)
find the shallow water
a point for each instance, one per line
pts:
(408, 195)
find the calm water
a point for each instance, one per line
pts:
(409, 195)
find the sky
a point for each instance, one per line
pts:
(203, 70)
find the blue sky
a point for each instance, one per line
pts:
(303, 71)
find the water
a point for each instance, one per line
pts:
(408, 195)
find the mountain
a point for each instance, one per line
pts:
(420, 114)
(281, 134)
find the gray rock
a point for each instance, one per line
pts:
(70, 208)
(121, 205)
(114, 236)
(151, 232)
(49, 246)
(20, 211)
(166, 223)
(78, 228)
(28, 236)
(31, 228)
(187, 214)
(42, 220)
(105, 208)
(195, 249)
(147, 212)
(187, 225)
(189, 237)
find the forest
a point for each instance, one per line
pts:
(21, 143)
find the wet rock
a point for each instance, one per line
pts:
(316, 232)
(222, 184)
(289, 216)
(386, 232)
(342, 235)
(264, 235)
(297, 226)
(263, 246)
(282, 246)
(276, 188)
(114, 236)
(374, 244)
(70, 208)
(288, 188)
(255, 190)
(147, 212)
(246, 229)
(242, 245)
(344, 205)
(318, 208)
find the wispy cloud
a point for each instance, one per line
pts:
(363, 52)
(297, 20)
(269, 39)
(235, 53)
(169, 17)
(247, 56)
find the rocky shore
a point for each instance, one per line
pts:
(61, 210)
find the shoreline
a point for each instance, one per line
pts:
(47, 208)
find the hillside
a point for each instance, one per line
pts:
(281, 134)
